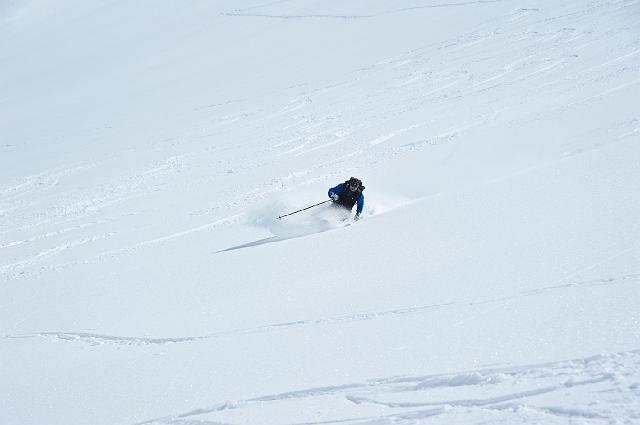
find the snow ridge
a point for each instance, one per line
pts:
(100, 339)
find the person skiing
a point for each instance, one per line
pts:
(348, 194)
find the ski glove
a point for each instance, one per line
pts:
(334, 197)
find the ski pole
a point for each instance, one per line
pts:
(320, 203)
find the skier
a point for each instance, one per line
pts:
(348, 194)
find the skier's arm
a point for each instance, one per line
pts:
(360, 203)
(336, 190)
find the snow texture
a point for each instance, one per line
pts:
(147, 150)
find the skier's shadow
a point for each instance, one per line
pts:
(270, 239)
(273, 239)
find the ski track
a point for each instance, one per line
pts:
(20, 269)
(310, 16)
(516, 393)
(75, 205)
(244, 12)
(100, 339)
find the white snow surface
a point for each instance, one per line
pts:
(148, 147)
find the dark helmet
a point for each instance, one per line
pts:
(355, 182)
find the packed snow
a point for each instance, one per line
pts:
(148, 149)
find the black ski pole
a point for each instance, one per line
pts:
(320, 203)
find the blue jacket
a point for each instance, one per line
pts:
(339, 188)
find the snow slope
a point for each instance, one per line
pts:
(147, 149)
